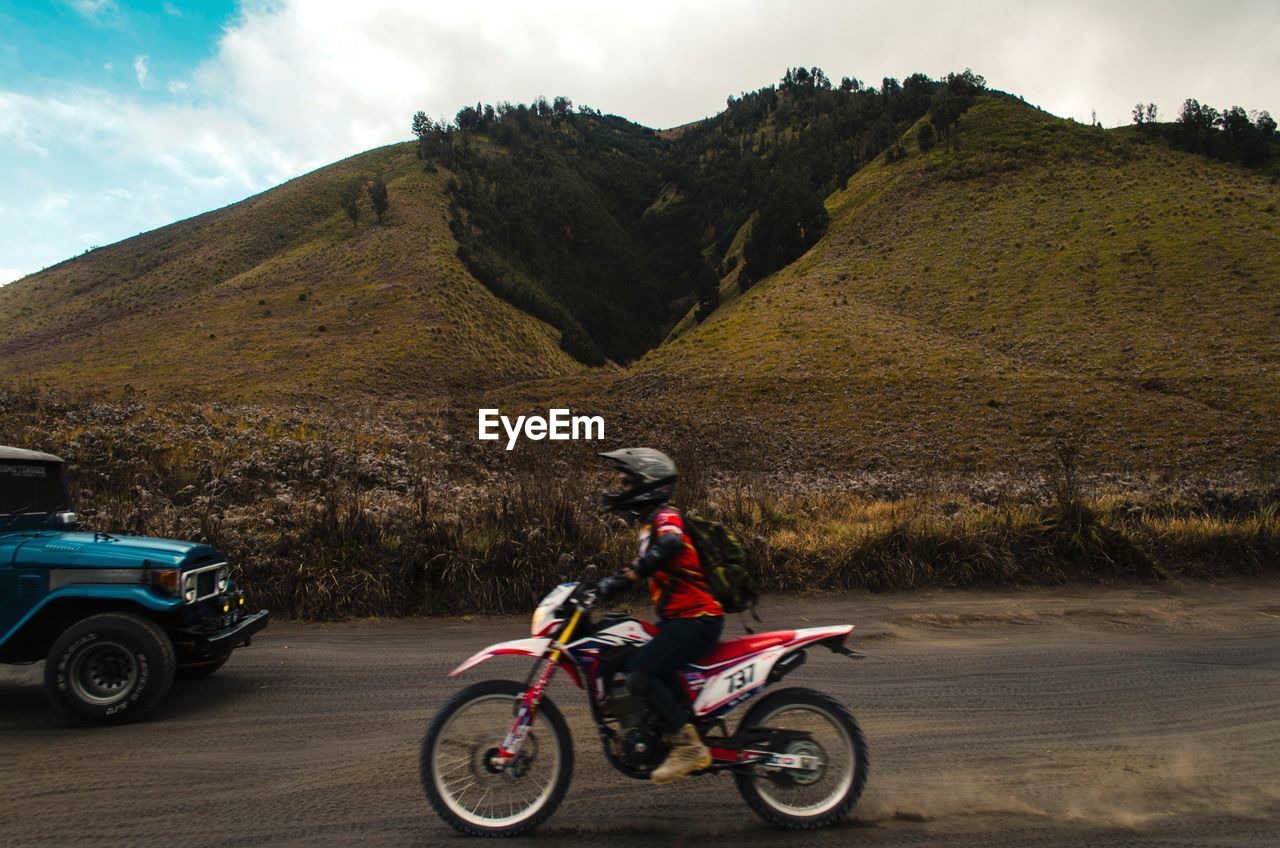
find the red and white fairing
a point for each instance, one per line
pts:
(738, 668)
(735, 670)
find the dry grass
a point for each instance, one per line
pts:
(364, 514)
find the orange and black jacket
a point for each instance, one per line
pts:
(669, 561)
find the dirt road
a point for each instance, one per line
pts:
(1137, 715)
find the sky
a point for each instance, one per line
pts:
(118, 117)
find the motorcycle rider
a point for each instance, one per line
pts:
(691, 619)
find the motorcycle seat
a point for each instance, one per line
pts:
(741, 646)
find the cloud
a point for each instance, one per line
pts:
(94, 8)
(140, 69)
(92, 168)
(295, 84)
(355, 72)
(8, 275)
(17, 124)
(96, 11)
(200, 145)
(52, 204)
(171, 10)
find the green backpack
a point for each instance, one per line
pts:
(724, 563)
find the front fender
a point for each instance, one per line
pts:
(516, 647)
(523, 648)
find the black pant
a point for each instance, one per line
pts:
(652, 671)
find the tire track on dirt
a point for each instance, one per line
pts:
(1036, 729)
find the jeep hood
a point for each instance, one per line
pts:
(70, 549)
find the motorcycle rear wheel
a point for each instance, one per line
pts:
(466, 791)
(804, 800)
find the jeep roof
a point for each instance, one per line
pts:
(27, 455)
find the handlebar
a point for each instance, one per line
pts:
(589, 594)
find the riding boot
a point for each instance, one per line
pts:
(687, 754)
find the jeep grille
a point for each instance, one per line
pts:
(203, 580)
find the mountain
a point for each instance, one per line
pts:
(596, 235)
(848, 277)
(1039, 282)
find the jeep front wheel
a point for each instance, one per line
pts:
(109, 669)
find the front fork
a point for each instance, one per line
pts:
(528, 708)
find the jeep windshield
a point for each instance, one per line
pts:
(30, 492)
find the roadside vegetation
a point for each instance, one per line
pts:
(329, 517)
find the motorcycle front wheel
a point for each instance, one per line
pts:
(463, 784)
(805, 799)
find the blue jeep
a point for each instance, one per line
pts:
(116, 618)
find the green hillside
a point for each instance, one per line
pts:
(595, 234)
(960, 306)
(967, 307)
(279, 295)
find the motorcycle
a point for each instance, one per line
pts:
(798, 756)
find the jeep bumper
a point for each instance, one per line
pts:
(239, 633)
(218, 635)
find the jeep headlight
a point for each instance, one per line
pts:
(224, 578)
(189, 588)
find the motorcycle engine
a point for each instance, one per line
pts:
(640, 745)
(621, 704)
(643, 747)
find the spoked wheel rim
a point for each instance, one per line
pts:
(811, 792)
(104, 673)
(476, 789)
